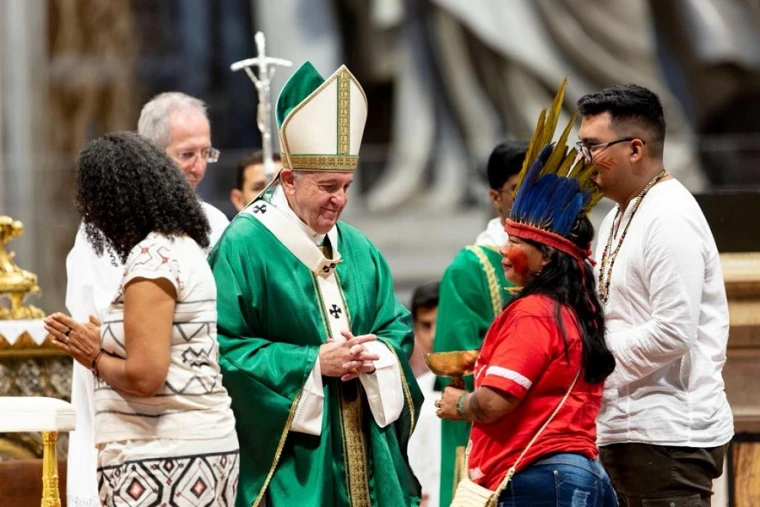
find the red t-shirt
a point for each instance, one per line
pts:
(523, 354)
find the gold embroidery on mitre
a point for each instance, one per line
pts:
(344, 112)
(342, 161)
(345, 163)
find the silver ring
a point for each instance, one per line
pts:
(66, 340)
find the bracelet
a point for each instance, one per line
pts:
(460, 406)
(94, 366)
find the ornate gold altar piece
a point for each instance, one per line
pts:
(15, 283)
(29, 363)
(455, 364)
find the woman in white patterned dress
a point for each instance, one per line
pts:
(163, 425)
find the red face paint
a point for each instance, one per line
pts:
(604, 162)
(519, 260)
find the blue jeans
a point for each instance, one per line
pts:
(561, 480)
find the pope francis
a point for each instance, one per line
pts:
(313, 342)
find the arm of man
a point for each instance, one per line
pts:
(335, 358)
(385, 387)
(674, 271)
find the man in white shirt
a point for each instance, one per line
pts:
(665, 423)
(177, 123)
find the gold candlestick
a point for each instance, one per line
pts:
(50, 495)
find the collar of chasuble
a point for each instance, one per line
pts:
(277, 216)
(295, 235)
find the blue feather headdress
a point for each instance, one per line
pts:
(554, 188)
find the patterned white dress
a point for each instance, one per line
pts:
(177, 447)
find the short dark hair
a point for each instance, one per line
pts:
(424, 296)
(253, 158)
(505, 161)
(126, 188)
(629, 104)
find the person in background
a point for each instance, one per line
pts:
(424, 313)
(425, 443)
(251, 180)
(665, 423)
(177, 124)
(164, 429)
(473, 292)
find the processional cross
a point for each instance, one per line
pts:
(266, 66)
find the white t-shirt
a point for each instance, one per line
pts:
(667, 325)
(192, 403)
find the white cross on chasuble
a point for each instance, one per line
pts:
(384, 387)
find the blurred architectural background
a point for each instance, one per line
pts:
(446, 80)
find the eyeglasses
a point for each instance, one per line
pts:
(587, 151)
(210, 155)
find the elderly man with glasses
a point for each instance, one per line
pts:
(179, 125)
(665, 424)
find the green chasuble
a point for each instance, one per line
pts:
(274, 313)
(473, 292)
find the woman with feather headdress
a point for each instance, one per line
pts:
(541, 370)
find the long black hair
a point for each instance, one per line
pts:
(563, 281)
(127, 188)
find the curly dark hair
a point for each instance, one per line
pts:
(127, 188)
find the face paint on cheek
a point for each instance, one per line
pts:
(519, 260)
(604, 163)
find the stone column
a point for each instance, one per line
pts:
(23, 90)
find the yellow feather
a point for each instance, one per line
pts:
(566, 165)
(563, 161)
(554, 113)
(560, 149)
(534, 147)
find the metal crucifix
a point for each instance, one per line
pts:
(267, 65)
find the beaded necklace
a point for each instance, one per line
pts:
(608, 260)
